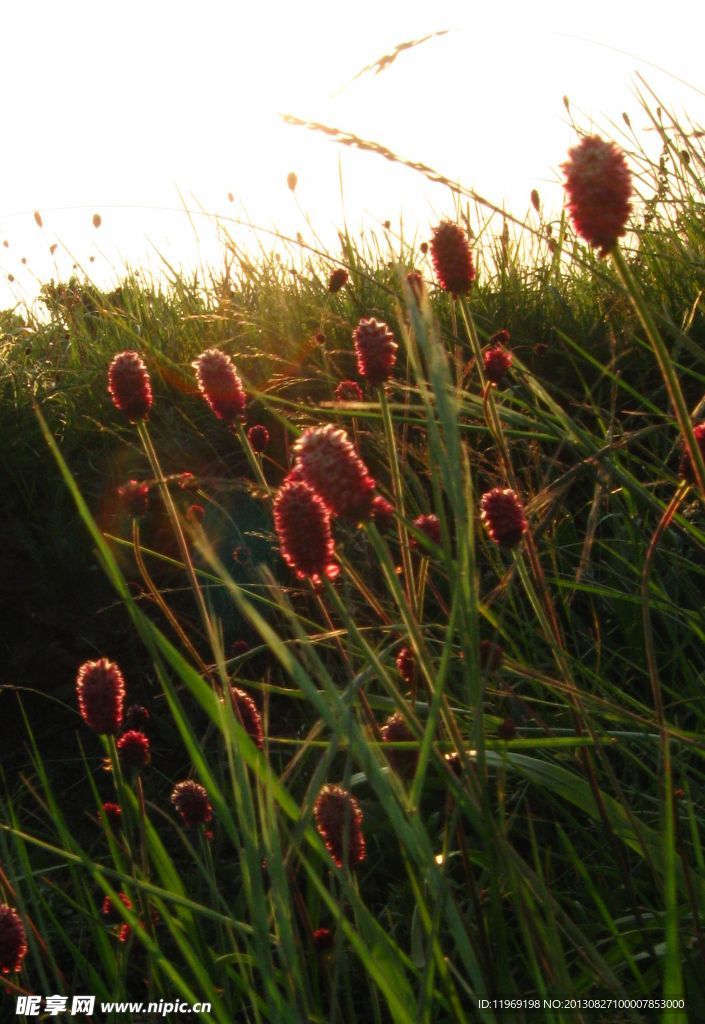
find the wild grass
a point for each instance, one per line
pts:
(546, 841)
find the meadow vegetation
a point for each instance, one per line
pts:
(502, 706)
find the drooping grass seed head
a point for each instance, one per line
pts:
(339, 822)
(100, 689)
(503, 516)
(376, 351)
(129, 385)
(13, 941)
(452, 258)
(220, 385)
(332, 467)
(190, 800)
(598, 186)
(302, 522)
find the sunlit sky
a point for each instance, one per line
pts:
(135, 110)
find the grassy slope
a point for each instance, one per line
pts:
(551, 871)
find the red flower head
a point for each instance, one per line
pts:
(686, 464)
(405, 664)
(113, 813)
(598, 183)
(348, 391)
(395, 730)
(13, 941)
(452, 259)
(382, 513)
(129, 385)
(503, 515)
(108, 910)
(376, 351)
(136, 717)
(101, 693)
(220, 385)
(258, 436)
(331, 466)
(248, 715)
(133, 750)
(302, 522)
(187, 481)
(430, 526)
(339, 821)
(337, 280)
(322, 940)
(497, 361)
(134, 498)
(191, 802)
(240, 647)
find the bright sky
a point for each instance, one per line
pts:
(120, 108)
